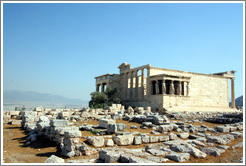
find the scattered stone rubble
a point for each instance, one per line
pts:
(162, 144)
(226, 118)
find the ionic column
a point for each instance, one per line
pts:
(171, 88)
(156, 87)
(188, 89)
(185, 89)
(106, 86)
(97, 87)
(179, 88)
(126, 85)
(163, 87)
(131, 86)
(102, 87)
(148, 86)
(136, 85)
(232, 94)
(122, 85)
(142, 83)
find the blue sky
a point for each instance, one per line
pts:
(60, 48)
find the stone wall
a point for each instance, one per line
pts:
(206, 93)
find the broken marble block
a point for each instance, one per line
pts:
(104, 122)
(179, 157)
(96, 141)
(59, 123)
(123, 139)
(109, 156)
(54, 159)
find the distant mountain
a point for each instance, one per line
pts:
(239, 101)
(18, 97)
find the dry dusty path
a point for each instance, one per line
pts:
(15, 151)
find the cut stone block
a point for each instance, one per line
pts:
(62, 130)
(111, 128)
(163, 138)
(153, 139)
(16, 122)
(237, 134)
(137, 140)
(145, 139)
(157, 152)
(172, 136)
(223, 129)
(216, 139)
(109, 156)
(135, 159)
(165, 128)
(104, 122)
(123, 139)
(73, 134)
(70, 141)
(179, 157)
(183, 135)
(109, 142)
(213, 151)
(59, 123)
(96, 141)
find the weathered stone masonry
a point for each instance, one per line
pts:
(170, 89)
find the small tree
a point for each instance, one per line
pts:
(99, 100)
(113, 96)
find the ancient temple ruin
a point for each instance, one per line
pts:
(170, 89)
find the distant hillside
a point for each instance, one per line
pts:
(239, 101)
(17, 97)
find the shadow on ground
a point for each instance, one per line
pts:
(40, 143)
(48, 154)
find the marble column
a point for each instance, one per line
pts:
(171, 91)
(142, 83)
(156, 87)
(179, 88)
(163, 87)
(97, 87)
(185, 88)
(126, 85)
(188, 89)
(106, 86)
(122, 85)
(148, 85)
(232, 94)
(102, 87)
(131, 85)
(136, 85)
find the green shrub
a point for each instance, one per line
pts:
(100, 100)
(94, 131)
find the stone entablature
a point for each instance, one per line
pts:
(167, 88)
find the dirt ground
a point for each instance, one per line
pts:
(15, 151)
